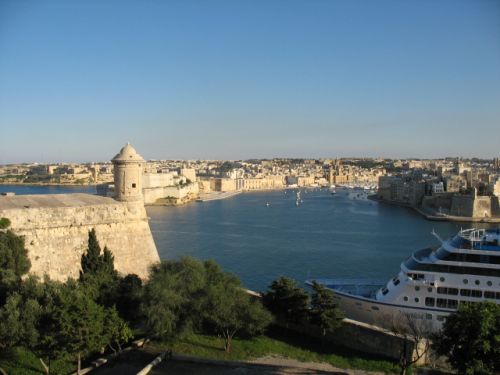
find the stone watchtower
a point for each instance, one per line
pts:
(128, 166)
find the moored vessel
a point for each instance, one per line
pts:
(431, 284)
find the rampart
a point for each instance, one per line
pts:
(55, 228)
(478, 207)
(464, 206)
(151, 195)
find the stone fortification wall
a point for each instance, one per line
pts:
(436, 201)
(477, 207)
(56, 230)
(462, 205)
(359, 336)
(151, 195)
(495, 206)
(155, 180)
(482, 207)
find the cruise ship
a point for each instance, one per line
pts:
(431, 284)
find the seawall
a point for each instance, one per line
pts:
(55, 228)
(435, 216)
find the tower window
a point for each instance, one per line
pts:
(133, 185)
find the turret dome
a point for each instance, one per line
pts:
(128, 154)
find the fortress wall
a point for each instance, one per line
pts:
(495, 206)
(156, 180)
(438, 200)
(151, 195)
(56, 237)
(462, 205)
(478, 207)
(482, 207)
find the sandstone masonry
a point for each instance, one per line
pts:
(55, 227)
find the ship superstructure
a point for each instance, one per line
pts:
(432, 282)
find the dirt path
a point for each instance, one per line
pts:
(268, 365)
(293, 366)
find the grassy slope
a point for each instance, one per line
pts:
(20, 361)
(299, 348)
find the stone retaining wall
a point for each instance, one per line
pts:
(56, 237)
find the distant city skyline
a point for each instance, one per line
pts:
(238, 80)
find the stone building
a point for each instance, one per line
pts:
(401, 190)
(55, 227)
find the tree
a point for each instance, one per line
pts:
(116, 331)
(229, 309)
(98, 272)
(18, 318)
(287, 301)
(93, 262)
(14, 261)
(79, 323)
(188, 294)
(470, 338)
(17, 322)
(129, 296)
(71, 323)
(4, 223)
(324, 311)
(414, 332)
(171, 303)
(50, 344)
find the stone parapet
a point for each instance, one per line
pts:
(55, 228)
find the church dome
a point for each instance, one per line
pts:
(128, 153)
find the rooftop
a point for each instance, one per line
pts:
(128, 153)
(52, 201)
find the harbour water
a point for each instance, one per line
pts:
(262, 235)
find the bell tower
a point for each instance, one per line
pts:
(128, 166)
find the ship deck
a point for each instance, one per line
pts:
(360, 287)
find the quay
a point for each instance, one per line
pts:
(434, 216)
(213, 196)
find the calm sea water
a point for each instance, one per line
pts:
(340, 235)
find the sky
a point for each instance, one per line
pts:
(239, 79)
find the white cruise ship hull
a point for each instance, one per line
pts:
(431, 284)
(386, 315)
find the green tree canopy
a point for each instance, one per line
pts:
(287, 301)
(324, 311)
(115, 330)
(229, 309)
(14, 262)
(95, 263)
(18, 320)
(4, 223)
(98, 272)
(190, 294)
(470, 338)
(79, 323)
(129, 297)
(53, 320)
(171, 297)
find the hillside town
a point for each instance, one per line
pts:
(450, 188)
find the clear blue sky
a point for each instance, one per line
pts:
(239, 79)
